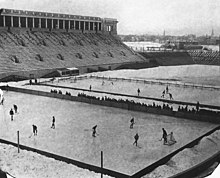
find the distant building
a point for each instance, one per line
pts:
(10, 18)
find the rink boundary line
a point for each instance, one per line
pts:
(137, 97)
(67, 160)
(188, 172)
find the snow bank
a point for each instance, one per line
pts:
(189, 157)
(28, 164)
(182, 73)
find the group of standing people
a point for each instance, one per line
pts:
(52, 126)
(166, 91)
(164, 136)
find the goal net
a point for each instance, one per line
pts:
(170, 139)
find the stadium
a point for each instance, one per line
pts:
(76, 69)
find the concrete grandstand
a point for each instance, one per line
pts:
(38, 43)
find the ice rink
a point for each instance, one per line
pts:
(72, 136)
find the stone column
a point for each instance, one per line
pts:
(45, 23)
(84, 24)
(39, 23)
(52, 24)
(26, 22)
(79, 25)
(19, 22)
(74, 25)
(64, 24)
(3, 21)
(69, 24)
(98, 26)
(89, 26)
(33, 22)
(58, 23)
(93, 26)
(12, 21)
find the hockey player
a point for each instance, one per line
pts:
(167, 90)
(11, 112)
(15, 108)
(53, 123)
(94, 131)
(136, 137)
(34, 129)
(171, 96)
(132, 123)
(164, 136)
(163, 93)
(138, 91)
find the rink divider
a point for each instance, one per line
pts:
(135, 96)
(122, 105)
(68, 160)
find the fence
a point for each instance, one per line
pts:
(152, 82)
(127, 105)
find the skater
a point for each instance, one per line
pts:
(132, 123)
(164, 137)
(15, 108)
(53, 123)
(171, 96)
(1, 97)
(138, 91)
(167, 90)
(34, 129)
(163, 93)
(94, 131)
(90, 87)
(103, 83)
(11, 112)
(136, 137)
(2, 101)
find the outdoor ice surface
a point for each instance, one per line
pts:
(73, 134)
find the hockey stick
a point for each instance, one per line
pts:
(30, 135)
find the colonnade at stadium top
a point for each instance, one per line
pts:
(43, 20)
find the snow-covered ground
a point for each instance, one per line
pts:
(72, 136)
(196, 74)
(191, 156)
(28, 164)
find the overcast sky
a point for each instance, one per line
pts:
(176, 17)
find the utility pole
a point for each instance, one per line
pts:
(18, 142)
(219, 51)
(101, 163)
